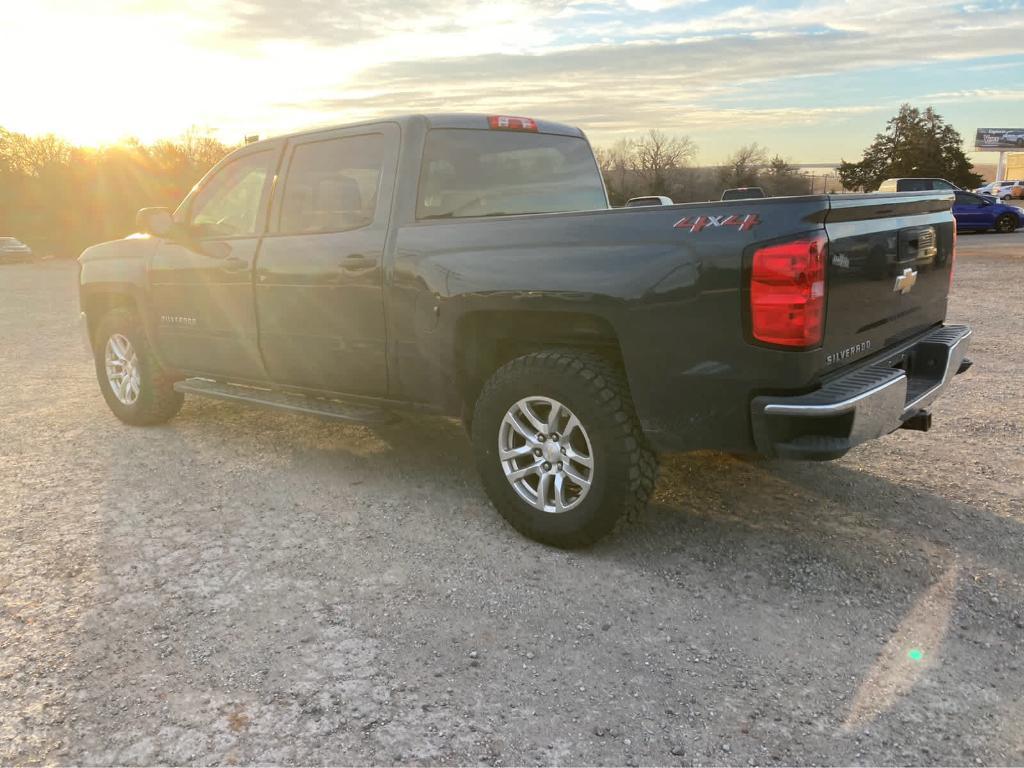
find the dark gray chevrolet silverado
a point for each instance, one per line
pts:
(470, 265)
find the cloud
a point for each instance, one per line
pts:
(338, 23)
(613, 67)
(977, 94)
(616, 87)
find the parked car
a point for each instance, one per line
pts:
(978, 213)
(470, 265)
(636, 202)
(743, 193)
(12, 249)
(1003, 190)
(916, 185)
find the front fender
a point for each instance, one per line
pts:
(115, 274)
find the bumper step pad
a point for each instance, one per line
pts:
(862, 404)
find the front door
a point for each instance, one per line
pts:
(319, 274)
(970, 211)
(201, 283)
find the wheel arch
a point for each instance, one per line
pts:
(98, 300)
(485, 340)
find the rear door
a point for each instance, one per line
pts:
(202, 286)
(318, 288)
(890, 258)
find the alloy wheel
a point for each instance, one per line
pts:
(546, 454)
(122, 366)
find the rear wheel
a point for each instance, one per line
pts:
(559, 447)
(134, 384)
(1006, 223)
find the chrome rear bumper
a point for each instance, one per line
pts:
(863, 403)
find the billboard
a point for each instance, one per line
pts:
(999, 139)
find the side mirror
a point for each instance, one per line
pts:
(155, 221)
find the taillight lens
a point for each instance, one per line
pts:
(787, 292)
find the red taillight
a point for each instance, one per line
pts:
(509, 123)
(787, 292)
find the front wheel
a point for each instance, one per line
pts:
(559, 447)
(1006, 223)
(134, 384)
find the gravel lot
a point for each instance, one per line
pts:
(244, 587)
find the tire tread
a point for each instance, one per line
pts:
(159, 401)
(606, 384)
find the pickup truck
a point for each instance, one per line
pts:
(470, 266)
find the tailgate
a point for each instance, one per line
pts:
(889, 263)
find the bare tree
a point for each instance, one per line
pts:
(200, 148)
(650, 165)
(617, 166)
(658, 157)
(743, 167)
(29, 155)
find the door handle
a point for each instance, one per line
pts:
(358, 261)
(235, 264)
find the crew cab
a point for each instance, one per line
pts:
(470, 265)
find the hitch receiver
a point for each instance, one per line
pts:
(919, 422)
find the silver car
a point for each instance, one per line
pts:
(1004, 190)
(12, 249)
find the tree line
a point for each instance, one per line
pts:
(60, 198)
(661, 164)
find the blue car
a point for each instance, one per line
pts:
(976, 213)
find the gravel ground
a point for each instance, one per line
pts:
(244, 587)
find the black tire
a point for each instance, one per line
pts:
(624, 466)
(1006, 224)
(157, 401)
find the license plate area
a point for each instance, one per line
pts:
(917, 246)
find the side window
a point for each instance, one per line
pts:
(940, 184)
(332, 185)
(229, 204)
(914, 185)
(963, 198)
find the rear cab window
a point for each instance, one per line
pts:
(470, 173)
(332, 185)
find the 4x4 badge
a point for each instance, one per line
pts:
(905, 281)
(695, 224)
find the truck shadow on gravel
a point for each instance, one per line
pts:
(774, 605)
(827, 506)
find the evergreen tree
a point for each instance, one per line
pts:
(915, 143)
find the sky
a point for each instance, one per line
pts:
(813, 80)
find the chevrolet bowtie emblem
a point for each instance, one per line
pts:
(905, 281)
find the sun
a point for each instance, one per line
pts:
(115, 74)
